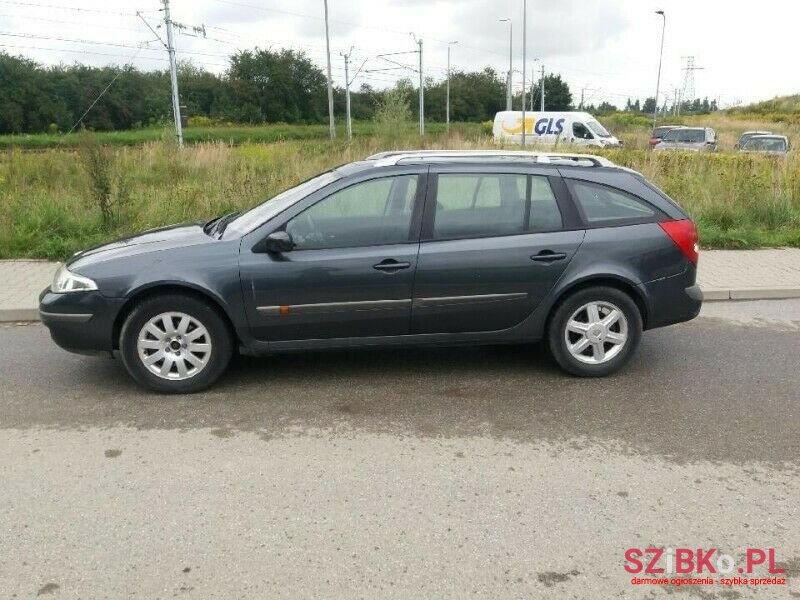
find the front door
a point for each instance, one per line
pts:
(351, 271)
(494, 244)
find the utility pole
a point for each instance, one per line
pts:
(660, 56)
(580, 106)
(541, 87)
(524, 59)
(347, 93)
(509, 77)
(330, 81)
(347, 83)
(173, 74)
(447, 111)
(421, 92)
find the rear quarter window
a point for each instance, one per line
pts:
(602, 205)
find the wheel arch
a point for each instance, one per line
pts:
(170, 288)
(613, 281)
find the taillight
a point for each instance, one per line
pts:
(684, 234)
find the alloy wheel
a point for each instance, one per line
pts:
(596, 332)
(174, 346)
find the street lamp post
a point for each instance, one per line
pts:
(332, 126)
(509, 94)
(447, 112)
(660, 56)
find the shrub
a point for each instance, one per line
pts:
(393, 115)
(98, 163)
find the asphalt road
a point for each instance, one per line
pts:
(440, 473)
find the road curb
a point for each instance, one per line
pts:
(15, 315)
(725, 294)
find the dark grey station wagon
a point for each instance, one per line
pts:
(403, 248)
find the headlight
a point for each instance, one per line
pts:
(66, 281)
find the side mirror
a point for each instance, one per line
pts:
(276, 242)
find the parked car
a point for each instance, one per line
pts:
(747, 135)
(766, 144)
(404, 248)
(692, 139)
(552, 128)
(658, 133)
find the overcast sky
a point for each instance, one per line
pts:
(608, 47)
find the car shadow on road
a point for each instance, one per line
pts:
(675, 399)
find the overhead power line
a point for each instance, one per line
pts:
(98, 43)
(72, 8)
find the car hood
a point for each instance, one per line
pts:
(689, 146)
(164, 238)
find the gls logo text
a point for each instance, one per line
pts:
(549, 126)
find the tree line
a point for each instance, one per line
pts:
(259, 86)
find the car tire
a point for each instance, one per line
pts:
(175, 344)
(594, 331)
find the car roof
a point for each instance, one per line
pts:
(757, 133)
(479, 157)
(768, 136)
(398, 157)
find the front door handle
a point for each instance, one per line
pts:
(548, 256)
(390, 265)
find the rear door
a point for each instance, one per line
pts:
(494, 243)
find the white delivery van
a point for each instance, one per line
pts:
(551, 128)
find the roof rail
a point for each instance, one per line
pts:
(560, 158)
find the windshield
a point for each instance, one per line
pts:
(598, 129)
(659, 132)
(691, 136)
(765, 144)
(747, 136)
(261, 213)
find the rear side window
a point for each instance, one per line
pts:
(472, 205)
(544, 213)
(602, 205)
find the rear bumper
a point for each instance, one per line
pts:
(81, 322)
(672, 300)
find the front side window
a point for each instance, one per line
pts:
(603, 205)
(370, 213)
(258, 215)
(485, 205)
(580, 131)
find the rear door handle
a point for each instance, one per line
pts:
(548, 256)
(390, 265)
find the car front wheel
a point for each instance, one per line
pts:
(175, 344)
(595, 331)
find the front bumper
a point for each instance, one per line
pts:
(81, 322)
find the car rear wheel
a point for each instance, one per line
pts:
(595, 331)
(175, 344)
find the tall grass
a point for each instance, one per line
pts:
(47, 206)
(738, 200)
(228, 134)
